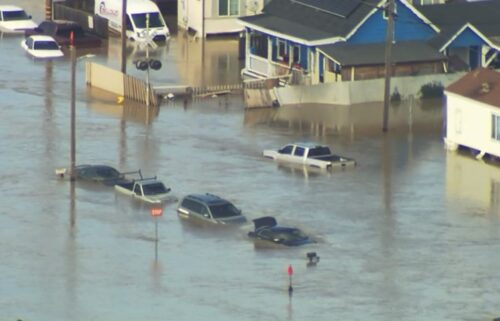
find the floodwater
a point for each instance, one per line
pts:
(411, 233)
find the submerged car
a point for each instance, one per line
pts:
(209, 208)
(149, 190)
(267, 229)
(104, 174)
(42, 47)
(14, 19)
(309, 154)
(61, 31)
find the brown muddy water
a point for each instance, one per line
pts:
(411, 233)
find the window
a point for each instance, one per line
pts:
(15, 15)
(141, 20)
(296, 54)
(258, 44)
(191, 205)
(224, 210)
(137, 190)
(299, 151)
(154, 188)
(286, 150)
(229, 7)
(203, 210)
(282, 50)
(45, 45)
(319, 151)
(495, 127)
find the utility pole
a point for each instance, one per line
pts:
(73, 111)
(388, 60)
(124, 36)
(147, 59)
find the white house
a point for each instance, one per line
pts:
(472, 113)
(211, 17)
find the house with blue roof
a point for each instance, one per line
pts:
(322, 41)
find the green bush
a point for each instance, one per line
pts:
(432, 90)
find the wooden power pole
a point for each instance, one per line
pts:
(388, 61)
(124, 37)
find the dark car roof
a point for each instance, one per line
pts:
(207, 198)
(63, 22)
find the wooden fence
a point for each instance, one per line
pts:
(136, 89)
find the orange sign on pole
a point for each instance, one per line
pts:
(156, 212)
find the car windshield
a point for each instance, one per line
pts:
(154, 188)
(319, 151)
(224, 210)
(108, 173)
(15, 15)
(155, 20)
(45, 45)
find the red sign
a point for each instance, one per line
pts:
(156, 212)
(290, 270)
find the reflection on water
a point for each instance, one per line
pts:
(212, 61)
(472, 181)
(106, 103)
(327, 120)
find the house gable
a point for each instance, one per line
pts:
(467, 36)
(409, 24)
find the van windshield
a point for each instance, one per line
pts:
(155, 20)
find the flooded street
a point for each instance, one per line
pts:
(411, 233)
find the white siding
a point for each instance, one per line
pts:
(469, 124)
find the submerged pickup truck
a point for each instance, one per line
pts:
(309, 154)
(149, 190)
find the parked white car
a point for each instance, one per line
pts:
(42, 47)
(309, 154)
(14, 19)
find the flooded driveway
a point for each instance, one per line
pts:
(411, 233)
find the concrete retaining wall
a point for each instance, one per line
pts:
(356, 92)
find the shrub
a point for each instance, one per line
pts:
(432, 90)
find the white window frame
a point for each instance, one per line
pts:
(228, 8)
(279, 55)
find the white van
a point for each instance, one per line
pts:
(137, 12)
(14, 19)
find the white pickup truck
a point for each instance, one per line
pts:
(149, 190)
(309, 154)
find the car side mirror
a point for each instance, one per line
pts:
(206, 215)
(278, 240)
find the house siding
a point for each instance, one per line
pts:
(469, 124)
(467, 38)
(407, 26)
